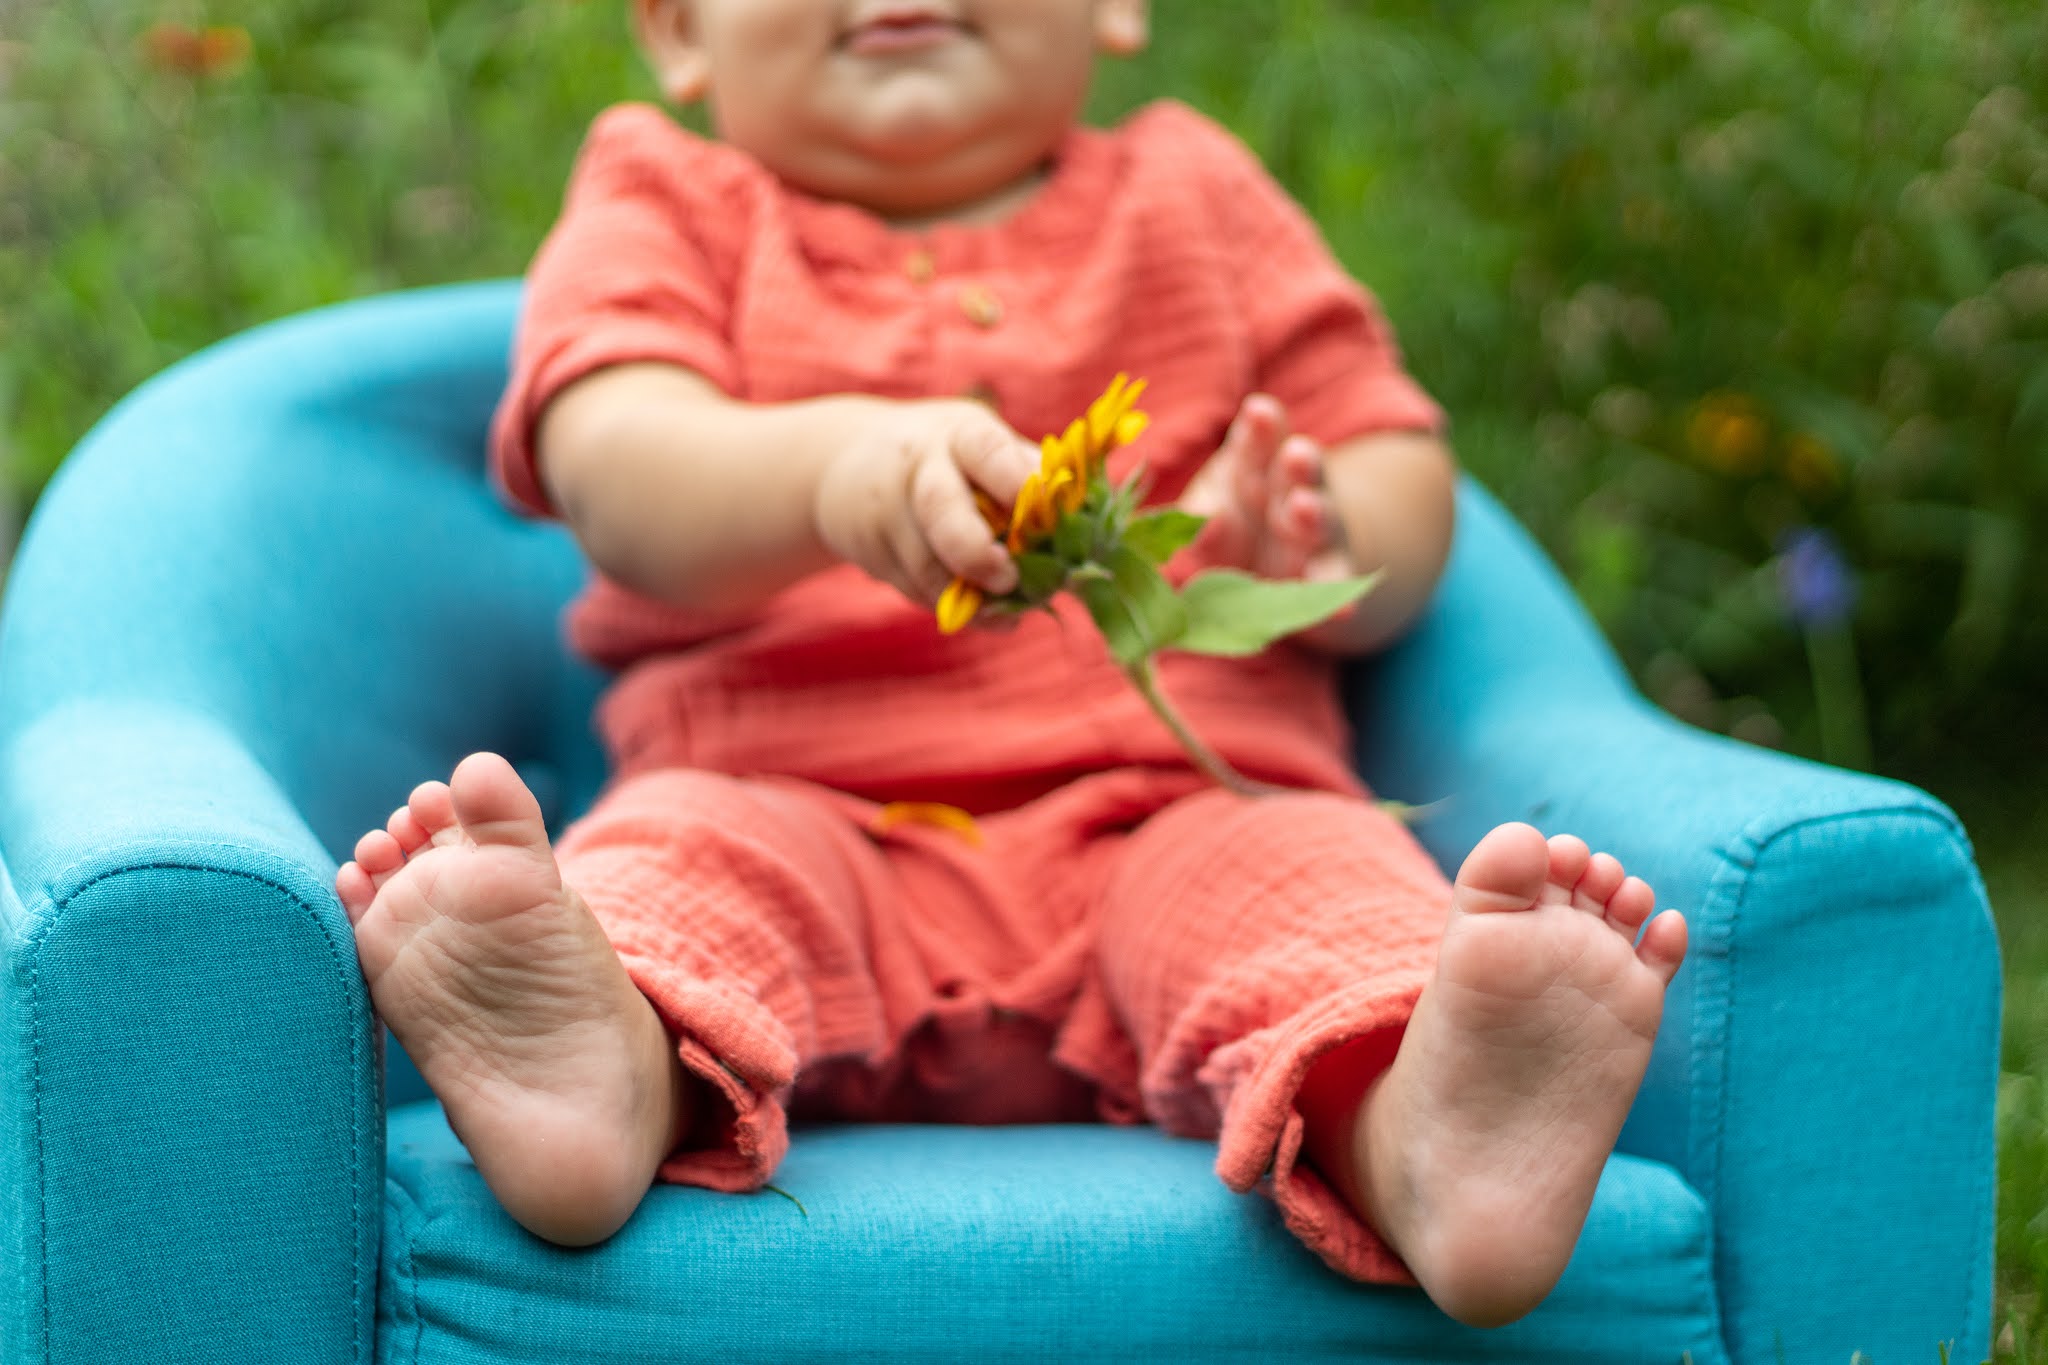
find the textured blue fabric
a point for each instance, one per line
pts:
(267, 595)
(271, 592)
(1004, 1244)
(1827, 1069)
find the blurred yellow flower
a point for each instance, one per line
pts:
(1727, 432)
(1067, 466)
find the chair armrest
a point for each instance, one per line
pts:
(191, 1136)
(1827, 1071)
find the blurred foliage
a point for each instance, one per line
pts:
(1742, 307)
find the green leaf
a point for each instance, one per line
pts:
(1039, 576)
(1073, 537)
(1154, 605)
(1112, 617)
(1134, 607)
(1234, 614)
(1156, 535)
(1123, 502)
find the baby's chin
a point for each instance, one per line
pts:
(916, 158)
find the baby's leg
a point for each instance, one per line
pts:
(1292, 985)
(554, 1071)
(1477, 1151)
(634, 1003)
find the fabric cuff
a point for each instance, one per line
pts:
(1255, 1082)
(736, 1046)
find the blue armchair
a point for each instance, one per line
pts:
(272, 591)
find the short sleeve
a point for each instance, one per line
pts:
(625, 275)
(1323, 347)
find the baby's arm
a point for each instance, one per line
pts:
(691, 497)
(1393, 494)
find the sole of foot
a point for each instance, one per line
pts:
(1479, 1148)
(502, 987)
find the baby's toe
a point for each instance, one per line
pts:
(352, 885)
(1503, 873)
(433, 807)
(1603, 877)
(1663, 945)
(379, 855)
(1568, 855)
(405, 827)
(1631, 904)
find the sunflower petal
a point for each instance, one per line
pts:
(1054, 456)
(993, 513)
(1065, 494)
(1032, 516)
(934, 813)
(1074, 441)
(1131, 426)
(1068, 492)
(957, 605)
(1104, 411)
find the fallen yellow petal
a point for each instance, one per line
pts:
(957, 605)
(898, 813)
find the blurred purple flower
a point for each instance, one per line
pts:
(1815, 580)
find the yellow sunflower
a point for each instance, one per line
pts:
(1067, 468)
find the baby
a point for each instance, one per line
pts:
(763, 379)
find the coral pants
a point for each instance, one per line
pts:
(1133, 945)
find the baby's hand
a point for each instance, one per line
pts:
(899, 499)
(1263, 493)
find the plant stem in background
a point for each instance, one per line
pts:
(1838, 694)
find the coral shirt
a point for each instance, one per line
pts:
(1160, 248)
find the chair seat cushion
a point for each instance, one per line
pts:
(986, 1244)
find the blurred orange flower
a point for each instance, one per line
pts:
(220, 50)
(1728, 433)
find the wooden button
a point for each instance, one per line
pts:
(920, 266)
(981, 306)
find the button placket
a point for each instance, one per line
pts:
(980, 306)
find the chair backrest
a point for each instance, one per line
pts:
(292, 533)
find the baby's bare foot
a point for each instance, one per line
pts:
(1479, 1149)
(554, 1071)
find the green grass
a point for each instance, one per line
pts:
(2016, 875)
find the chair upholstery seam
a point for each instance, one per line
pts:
(33, 945)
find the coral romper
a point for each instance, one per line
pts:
(1125, 942)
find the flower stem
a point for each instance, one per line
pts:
(1208, 760)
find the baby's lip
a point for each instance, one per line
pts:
(899, 26)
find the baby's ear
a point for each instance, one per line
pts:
(1122, 27)
(668, 35)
